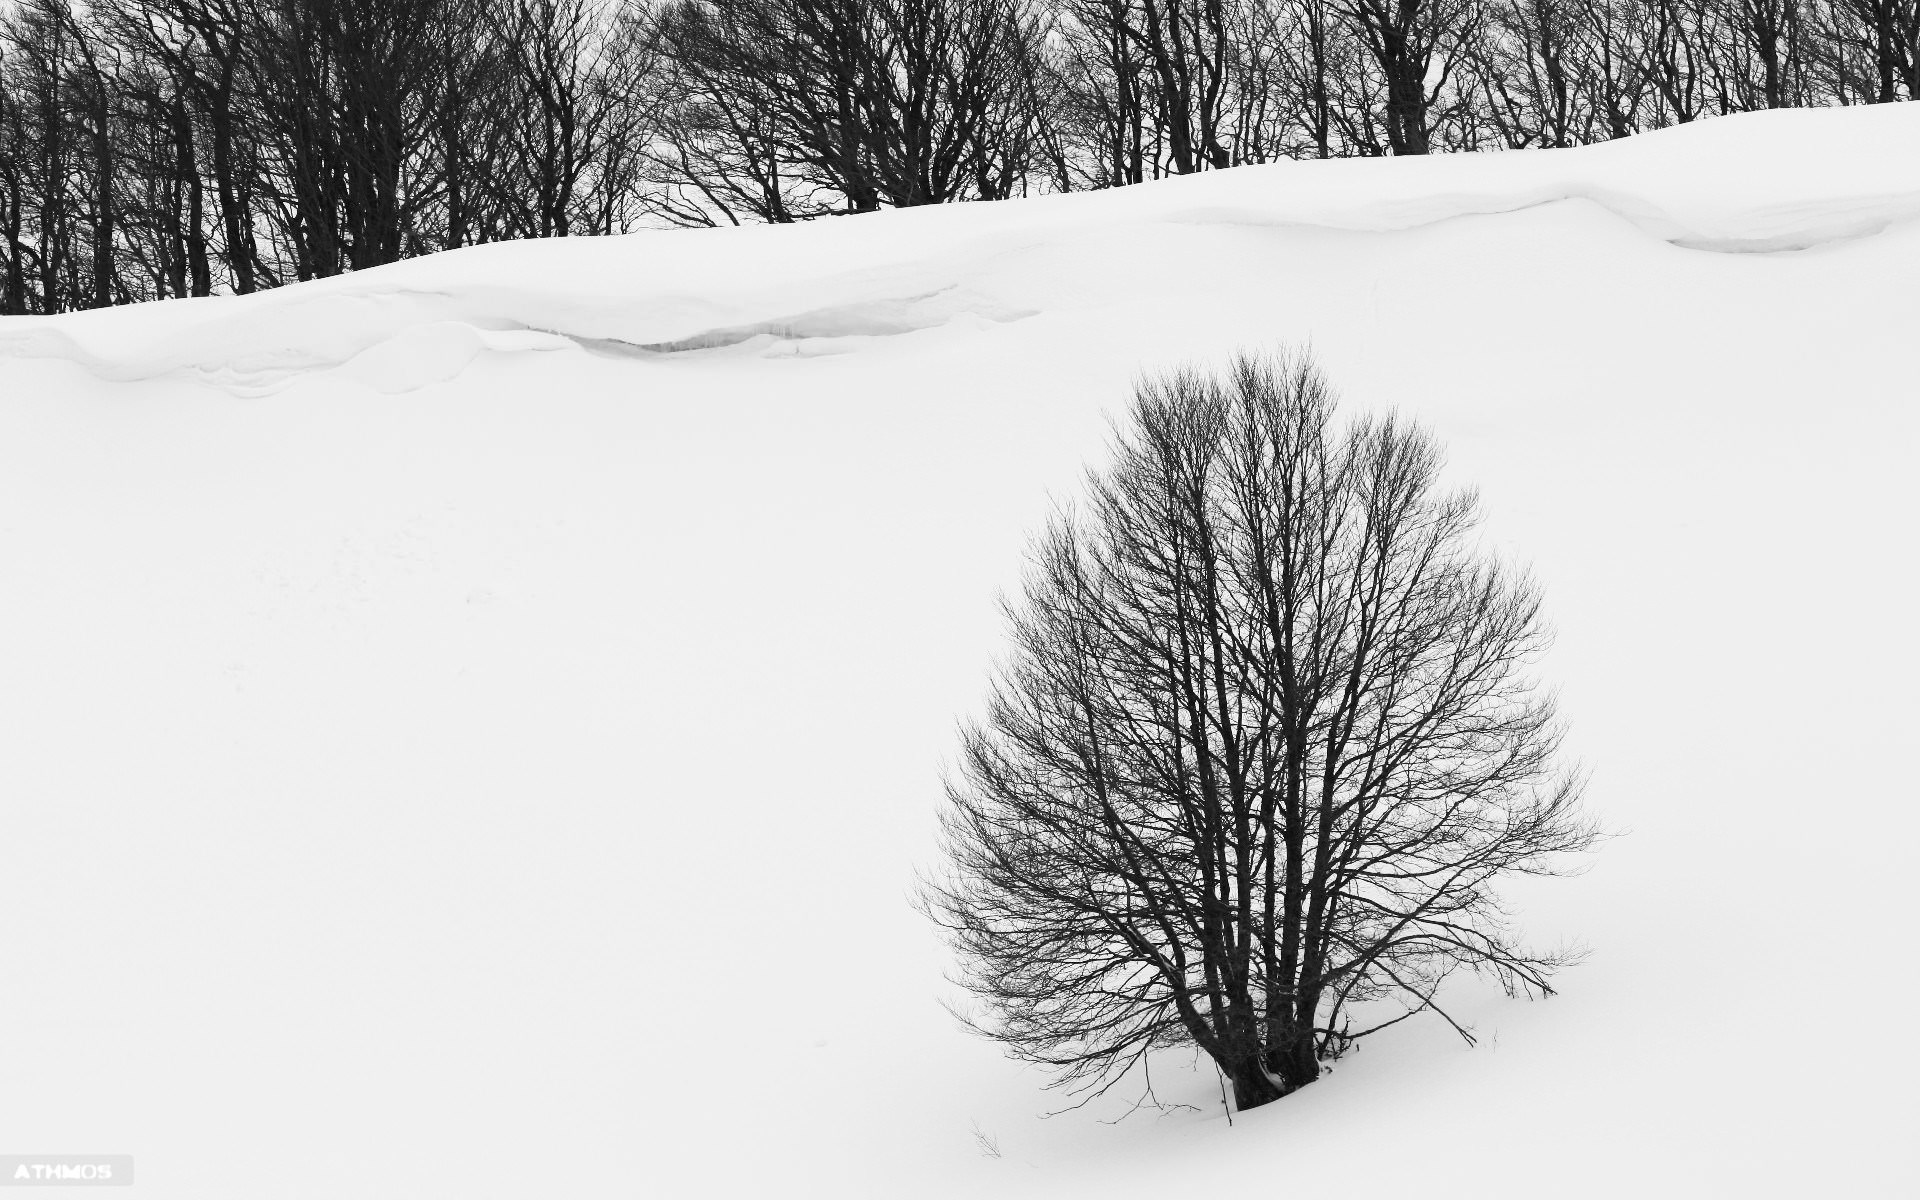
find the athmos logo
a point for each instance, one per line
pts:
(66, 1170)
(63, 1171)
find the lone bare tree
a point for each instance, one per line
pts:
(1263, 747)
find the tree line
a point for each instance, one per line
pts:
(163, 148)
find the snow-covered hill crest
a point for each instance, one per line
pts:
(1756, 183)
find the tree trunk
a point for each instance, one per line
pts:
(187, 169)
(233, 213)
(1252, 1085)
(1407, 108)
(105, 206)
(1293, 1059)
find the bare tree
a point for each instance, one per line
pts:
(1153, 88)
(64, 79)
(15, 252)
(1886, 35)
(1327, 80)
(184, 96)
(1264, 747)
(797, 108)
(1417, 45)
(561, 108)
(1532, 64)
(1160, 73)
(1621, 91)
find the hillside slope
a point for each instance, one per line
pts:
(468, 728)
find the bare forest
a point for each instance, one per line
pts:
(163, 148)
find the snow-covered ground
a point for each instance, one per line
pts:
(468, 729)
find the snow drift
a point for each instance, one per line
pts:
(468, 728)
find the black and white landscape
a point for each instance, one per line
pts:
(476, 726)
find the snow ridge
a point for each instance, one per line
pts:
(1758, 183)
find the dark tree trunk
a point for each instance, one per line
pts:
(194, 233)
(1252, 1085)
(1291, 1057)
(233, 212)
(106, 213)
(1407, 108)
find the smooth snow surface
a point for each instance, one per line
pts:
(468, 729)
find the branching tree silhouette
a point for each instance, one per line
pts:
(797, 108)
(1263, 747)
